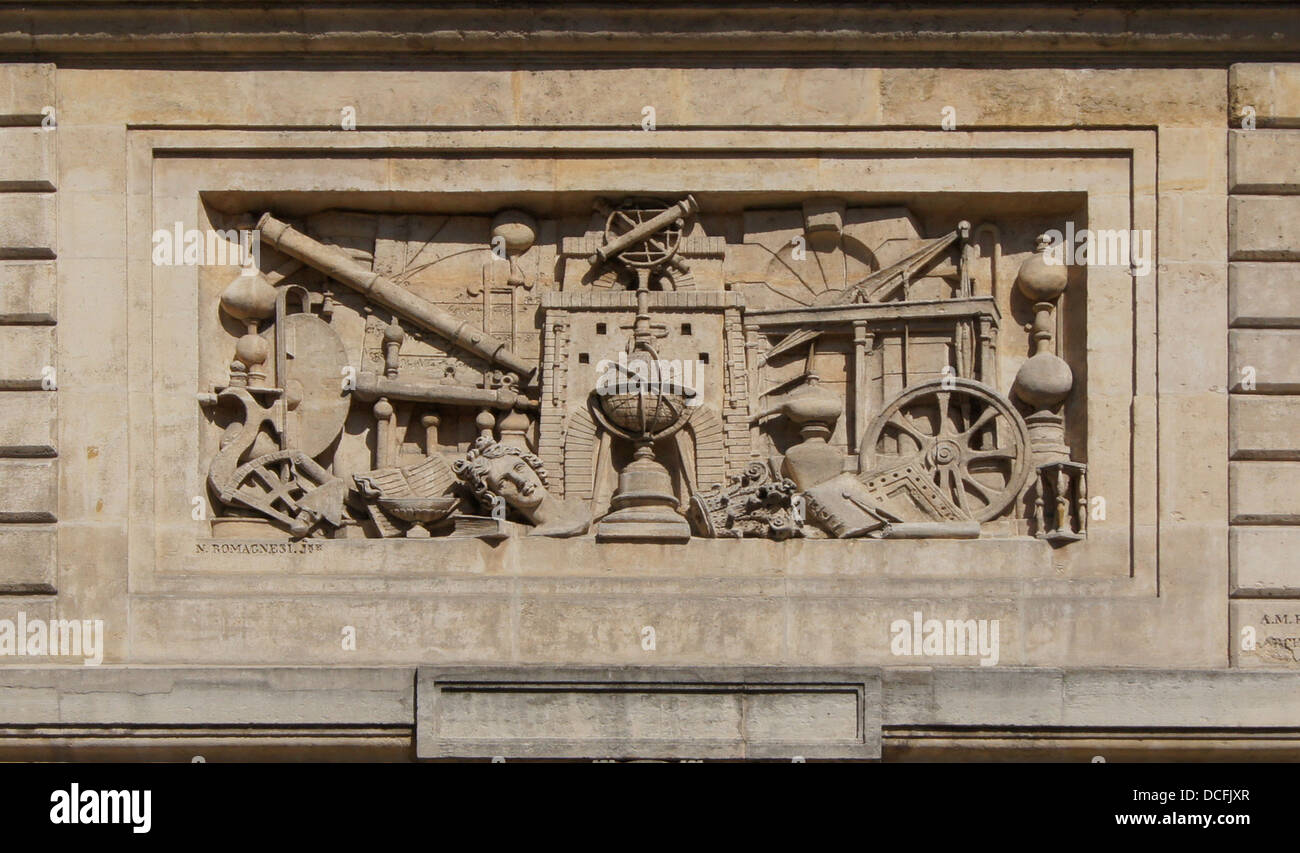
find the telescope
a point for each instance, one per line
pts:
(336, 264)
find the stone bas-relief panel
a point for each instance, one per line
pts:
(644, 369)
(777, 566)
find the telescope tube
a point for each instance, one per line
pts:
(336, 264)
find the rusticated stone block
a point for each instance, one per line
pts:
(1265, 361)
(27, 225)
(28, 490)
(1264, 492)
(1263, 161)
(1264, 294)
(28, 163)
(27, 423)
(1261, 228)
(1271, 91)
(1262, 427)
(26, 88)
(26, 354)
(27, 559)
(1265, 561)
(26, 292)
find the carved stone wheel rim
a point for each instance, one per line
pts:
(967, 436)
(655, 250)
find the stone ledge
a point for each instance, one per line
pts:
(370, 30)
(287, 713)
(211, 696)
(1092, 698)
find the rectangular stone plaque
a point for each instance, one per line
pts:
(642, 713)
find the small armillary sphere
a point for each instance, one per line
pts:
(636, 402)
(645, 234)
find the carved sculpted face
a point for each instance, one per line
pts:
(515, 480)
(515, 475)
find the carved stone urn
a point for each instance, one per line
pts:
(814, 409)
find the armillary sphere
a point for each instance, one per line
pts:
(654, 250)
(965, 434)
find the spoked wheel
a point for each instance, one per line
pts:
(656, 249)
(964, 434)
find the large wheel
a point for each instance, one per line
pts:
(964, 434)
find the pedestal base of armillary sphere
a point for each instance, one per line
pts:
(644, 508)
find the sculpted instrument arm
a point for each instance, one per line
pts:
(337, 265)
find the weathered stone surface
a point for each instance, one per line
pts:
(26, 88)
(1265, 561)
(26, 292)
(1259, 228)
(639, 712)
(28, 163)
(1264, 427)
(27, 423)
(1086, 698)
(27, 559)
(1264, 361)
(1264, 161)
(1264, 294)
(1270, 89)
(273, 696)
(1260, 492)
(27, 225)
(446, 248)
(27, 357)
(1266, 633)
(30, 492)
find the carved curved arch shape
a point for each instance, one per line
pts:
(705, 428)
(579, 457)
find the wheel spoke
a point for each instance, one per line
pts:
(995, 453)
(898, 421)
(987, 415)
(943, 413)
(979, 487)
(957, 488)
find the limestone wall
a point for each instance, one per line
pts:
(1264, 156)
(1189, 568)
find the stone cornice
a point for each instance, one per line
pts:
(386, 32)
